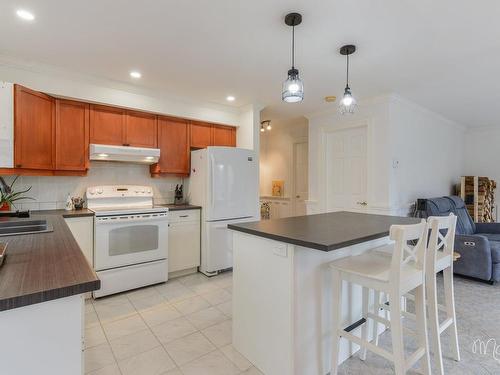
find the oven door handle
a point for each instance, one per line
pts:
(123, 219)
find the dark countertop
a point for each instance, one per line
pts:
(66, 214)
(180, 207)
(324, 232)
(44, 266)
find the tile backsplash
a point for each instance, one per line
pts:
(51, 192)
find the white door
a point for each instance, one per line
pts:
(300, 176)
(346, 170)
(233, 184)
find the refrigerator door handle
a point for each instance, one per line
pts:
(212, 190)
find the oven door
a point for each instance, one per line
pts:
(122, 240)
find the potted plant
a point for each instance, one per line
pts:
(8, 196)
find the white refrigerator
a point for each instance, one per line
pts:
(224, 181)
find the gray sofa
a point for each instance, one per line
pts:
(477, 243)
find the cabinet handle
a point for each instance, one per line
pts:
(183, 215)
(19, 165)
(126, 144)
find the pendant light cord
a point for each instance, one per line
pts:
(347, 76)
(293, 46)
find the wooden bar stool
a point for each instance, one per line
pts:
(395, 275)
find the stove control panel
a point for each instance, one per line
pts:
(119, 191)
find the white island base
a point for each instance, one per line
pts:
(282, 305)
(43, 339)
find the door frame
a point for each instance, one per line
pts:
(293, 175)
(323, 165)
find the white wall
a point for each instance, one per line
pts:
(482, 155)
(276, 153)
(50, 192)
(412, 153)
(430, 152)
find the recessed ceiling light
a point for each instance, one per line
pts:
(25, 15)
(103, 155)
(330, 99)
(230, 98)
(135, 74)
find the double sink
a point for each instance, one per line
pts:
(24, 226)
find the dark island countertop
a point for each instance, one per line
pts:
(324, 232)
(44, 266)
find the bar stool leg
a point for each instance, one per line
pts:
(376, 308)
(421, 318)
(450, 310)
(432, 305)
(336, 319)
(397, 332)
(364, 327)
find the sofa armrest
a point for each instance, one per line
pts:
(475, 256)
(492, 228)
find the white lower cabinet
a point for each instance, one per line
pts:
(82, 228)
(183, 240)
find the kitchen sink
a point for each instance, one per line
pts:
(18, 227)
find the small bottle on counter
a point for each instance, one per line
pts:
(69, 203)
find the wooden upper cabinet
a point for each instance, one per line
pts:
(140, 129)
(107, 125)
(201, 134)
(34, 134)
(224, 136)
(173, 142)
(72, 135)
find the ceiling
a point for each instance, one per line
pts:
(443, 55)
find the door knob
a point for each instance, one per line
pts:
(363, 203)
(297, 196)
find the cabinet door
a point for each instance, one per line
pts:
(201, 135)
(140, 129)
(173, 141)
(183, 246)
(34, 133)
(224, 136)
(107, 125)
(72, 135)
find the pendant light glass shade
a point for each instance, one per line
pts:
(347, 103)
(293, 88)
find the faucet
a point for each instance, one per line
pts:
(4, 188)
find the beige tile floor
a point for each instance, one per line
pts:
(184, 327)
(180, 327)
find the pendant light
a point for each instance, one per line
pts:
(347, 103)
(265, 125)
(293, 88)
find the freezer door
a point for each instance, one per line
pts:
(233, 183)
(217, 245)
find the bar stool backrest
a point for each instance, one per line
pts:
(409, 247)
(442, 238)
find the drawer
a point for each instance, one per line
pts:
(184, 216)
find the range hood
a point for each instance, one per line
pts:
(124, 154)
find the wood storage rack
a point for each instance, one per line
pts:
(478, 194)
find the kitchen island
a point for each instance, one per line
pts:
(281, 287)
(43, 281)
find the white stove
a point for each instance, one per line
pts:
(131, 237)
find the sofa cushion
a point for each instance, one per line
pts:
(495, 248)
(465, 224)
(445, 205)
